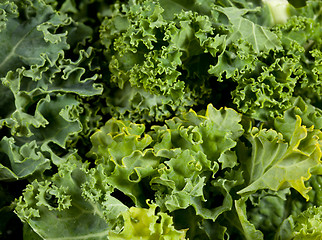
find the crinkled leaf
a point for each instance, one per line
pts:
(147, 224)
(122, 146)
(307, 225)
(66, 76)
(175, 160)
(75, 203)
(61, 121)
(275, 164)
(28, 44)
(259, 37)
(19, 162)
(183, 179)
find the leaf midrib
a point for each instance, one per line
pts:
(13, 50)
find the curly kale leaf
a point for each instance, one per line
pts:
(75, 203)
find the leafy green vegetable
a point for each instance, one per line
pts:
(69, 205)
(164, 119)
(141, 223)
(306, 225)
(274, 163)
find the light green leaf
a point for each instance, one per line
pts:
(249, 230)
(275, 164)
(147, 224)
(306, 225)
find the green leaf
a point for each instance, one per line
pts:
(147, 224)
(66, 76)
(75, 203)
(174, 162)
(61, 121)
(30, 43)
(194, 146)
(154, 61)
(306, 225)
(29, 234)
(258, 36)
(23, 161)
(275, 164)
(122, 146)
(249, 230)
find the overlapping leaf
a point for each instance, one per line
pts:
(30, 43)
(75, 203)
(175, 163)
(67, 67)
(276, 164)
